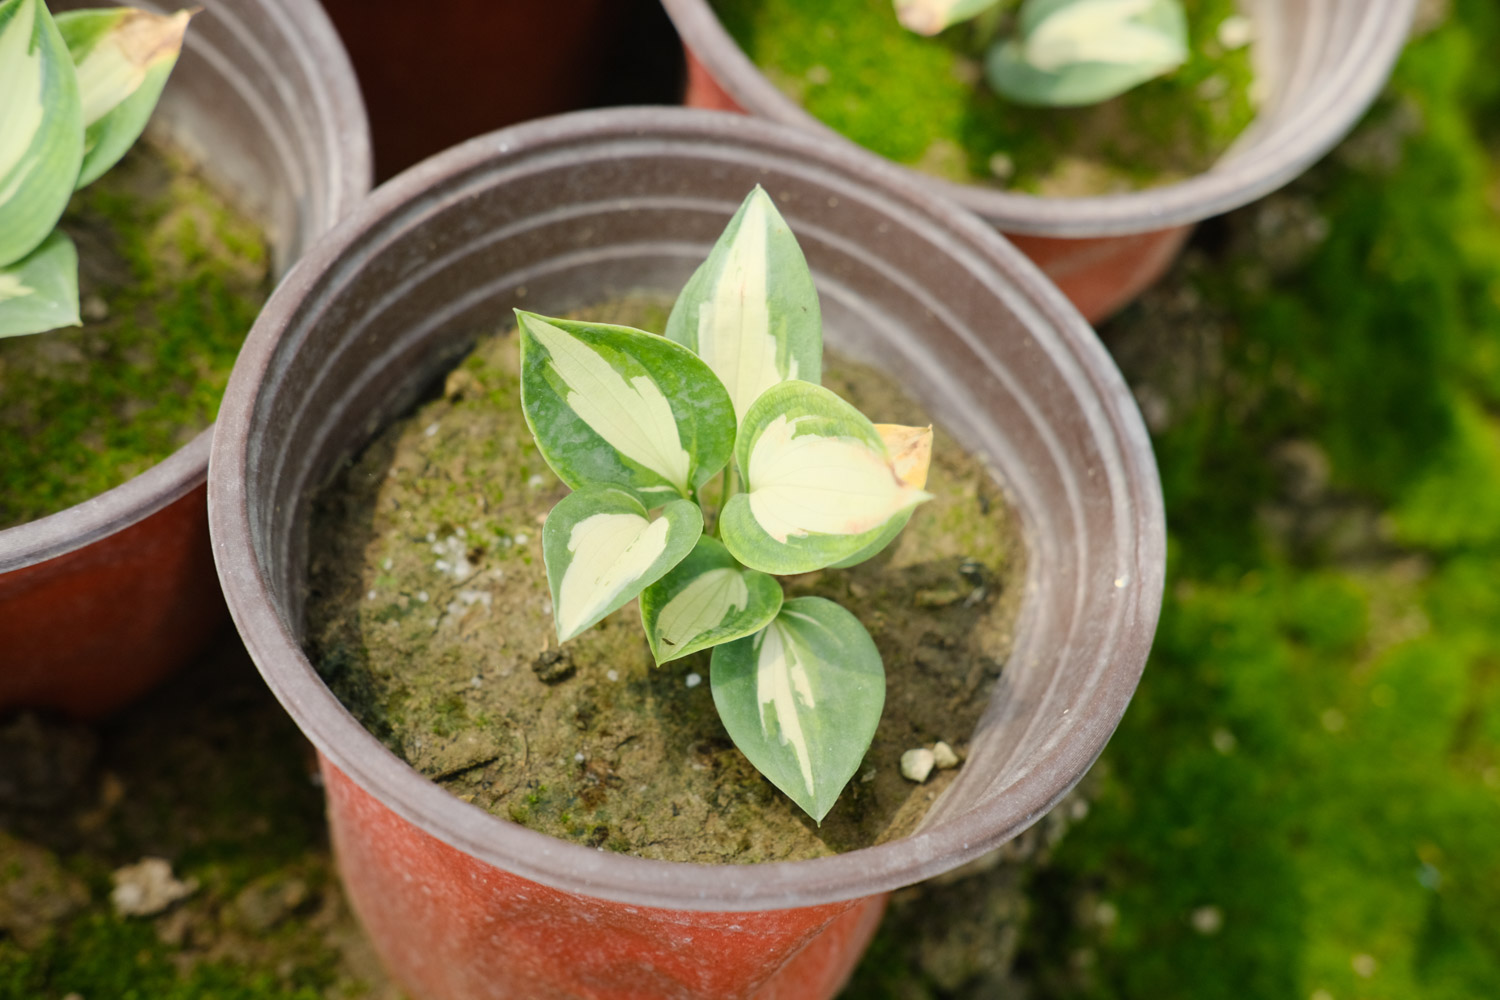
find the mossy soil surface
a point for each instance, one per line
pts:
(923, 101)
(429, 614)
(171, 277)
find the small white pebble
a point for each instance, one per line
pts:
(1363, 965)
(522, 538)
(546, 607)
(943, 756)
(431, 430)
(422, 596)
(441, 565)
(535, 481)
(1224, 741)
(1236, 31)
(387, 564)
(370, 596)
(432, 536)
(868, 776)
(460, 532)
(613, 675)
(917, 764)
(579, 757)
(1208, 920)
(475, 681)
(693, 680)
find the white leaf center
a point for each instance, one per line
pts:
(702, 605)
(1100, 31)
(21, 83)
(610, 551)
(734, 326)
(826, 485)
(781, 682)
(634, 417)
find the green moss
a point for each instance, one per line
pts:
(922, 101)
(172, 277)
(1314, 751)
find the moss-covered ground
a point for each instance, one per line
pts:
(1304, 797)
(923, 101)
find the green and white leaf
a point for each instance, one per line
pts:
(707, 599)
(819, 483)
(602, 549)
(928, 17)
(123, 57)
(1074, 52)
(910, 449)
(750, 311)
(801, 699)
(40, 291)
(609, 405)
(41, 127)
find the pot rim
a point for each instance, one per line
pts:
(177, 475)
(348, 746)
(1311, 131)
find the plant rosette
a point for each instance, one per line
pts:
(99, 600)
(552, 216)
(1317, 70)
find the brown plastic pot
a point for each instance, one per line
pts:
(1320, 62)
(99, 601)
(569, 211)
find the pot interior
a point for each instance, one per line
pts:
(586, 208)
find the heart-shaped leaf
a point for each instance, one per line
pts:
(39, 292)
(609, 405)
(123, 57)
(602, 549)
(928, 17)
(910, 449)
(706, 599)
(801, 699)
(41, 127)
(1074, 52)
(750, 311)
(819, 484)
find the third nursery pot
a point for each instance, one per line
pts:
(1317, 65)
(101, 599)
(566, 213)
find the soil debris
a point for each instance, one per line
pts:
(147, 888)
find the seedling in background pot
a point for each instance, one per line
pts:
(726, 407)
(1068, 52)
(77, 91)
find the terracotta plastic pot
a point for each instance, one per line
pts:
(1320, 62)
(99, 601)
(564, 212)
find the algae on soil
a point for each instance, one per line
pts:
(923, 102)
(428, 615)
(170, 276)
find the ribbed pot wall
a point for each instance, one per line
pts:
(1319, 64)
(582, 209)
(100, 600)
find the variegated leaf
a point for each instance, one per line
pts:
(750, 311)
(616, 406)
(39, 292)
(1074, 52)
(910, 449)
(819, 484)
(801, 699)
(123, 57)
(41, 127)
(707, 599)
(602, 549)
(928, 17)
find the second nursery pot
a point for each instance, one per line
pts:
(1318, 67)
(101, 599)
(567, 212)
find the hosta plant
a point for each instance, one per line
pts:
(75, 93)
(706, 463)
(1068, 52)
